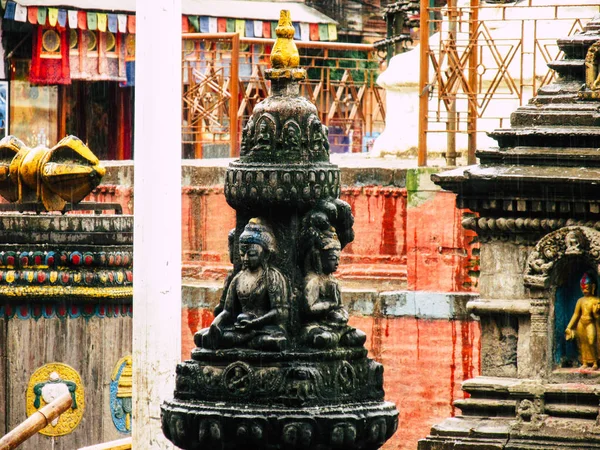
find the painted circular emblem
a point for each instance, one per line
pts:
(120, 394)
(51, 41)
(47, 384)
(238, 378)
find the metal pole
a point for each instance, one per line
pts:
(473, 61)
(423, 80)
(157, 225)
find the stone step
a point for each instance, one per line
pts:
(547, 137)
(569, 68)
(486, 407)
(555, 116)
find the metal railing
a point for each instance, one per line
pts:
(487, 60)
(223, 79)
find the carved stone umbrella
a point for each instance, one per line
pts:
(537, 197)
(279, 367)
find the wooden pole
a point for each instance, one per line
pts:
(473, 61)
(157, 224)
(233, 90)
(423, 82)
(36, 422)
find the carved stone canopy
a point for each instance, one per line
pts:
(583, 242)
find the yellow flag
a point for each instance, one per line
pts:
(102, 20)
(52, 16)
(332, 32)
(240, 27)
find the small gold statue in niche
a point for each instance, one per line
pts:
(585, 323)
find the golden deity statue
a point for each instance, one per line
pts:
(585, 323)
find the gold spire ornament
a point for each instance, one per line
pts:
(284, 56)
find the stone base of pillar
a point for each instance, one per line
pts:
(511, 414)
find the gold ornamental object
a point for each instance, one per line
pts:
(55, 176)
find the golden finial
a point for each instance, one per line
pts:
(284, 56)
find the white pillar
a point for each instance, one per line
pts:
(157, 218)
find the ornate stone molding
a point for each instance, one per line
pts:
(565, 242)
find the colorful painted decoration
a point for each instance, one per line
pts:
(120, 394)
(47, 384)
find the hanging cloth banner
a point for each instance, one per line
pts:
(32, 15)
(42, 16)
(62, 18)
(304, 32)
(73, 19)
(129, 60)
(82, 20)
(332, 31)
(131, 24)
(212, 24)
(21, 13)
(323, 32)
(266, 29)
(50, 57)
(314, 31)
(122, 22)
(240, 27)
(97, 56)
(9, 12)
(231, 25)
(249, 29)
(112, 23)
(52, 16)
(258, 28)
(102, 22)
(222, 25)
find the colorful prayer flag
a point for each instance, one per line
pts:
(332, 31)
(266, 29)
(92, 21)
(249, 28)
(273, 28)
(82, 20)
(258, 28)
(212, 24)
(131, 24)
(304, 31)
(203, 24)
(222, 25)
(52, 16)
(323, 32)
(297, 34)
(62, 18)
(32, 15)
(21, 13)
(231, 25)
(185, 24)
(112, 23)
(42, 16)
(102, 22)
(3, 3)
(9, 12)
(122, 23)
(194, 23)
(314, 31)
(72, 18)
(240, 27)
